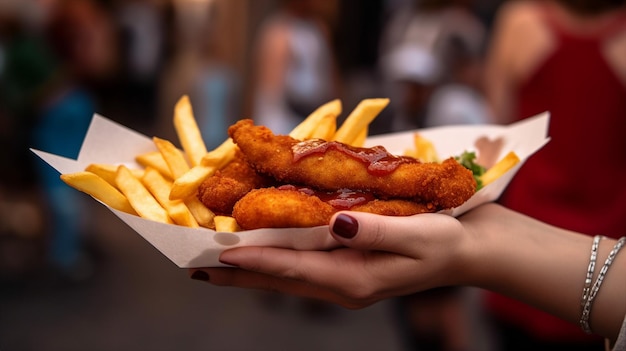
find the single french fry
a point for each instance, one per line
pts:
(160, 187)
(108, 172)
(501, 167)
(226, 224)
(305, 129)
(359, 141)
(424, 150)
(325, 129)
(187, 184)
(221, 155)
(200, 212)
(362, 115)
(139, 197)
(155, 160)
(174, 158)
(188, 132)
(98, 188)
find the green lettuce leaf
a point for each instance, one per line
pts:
(468, 160)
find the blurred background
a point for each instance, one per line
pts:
(74, 277)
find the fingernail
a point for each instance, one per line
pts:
(345, 226)
(200, 275)
(225, 261)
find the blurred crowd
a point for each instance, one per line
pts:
(61, 61)
(275, 61)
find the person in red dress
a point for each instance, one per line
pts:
(569, 58)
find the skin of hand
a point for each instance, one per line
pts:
(490, 247)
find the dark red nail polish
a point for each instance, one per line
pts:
(345, 226)
(200, 275)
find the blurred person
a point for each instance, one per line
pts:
(431, 24)
(490, 247)
(81, 42)
(461, 99)
(217, 89)
(141, 23)
(418, 50)
(412, 73)
(294, 68)
(203, 64)
(142, 50)
(566, 57)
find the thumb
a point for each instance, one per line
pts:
(404, 235)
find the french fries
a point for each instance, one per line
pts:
(226, 224)
(139, 197)
(423, 149)
(188, 131)
(201, 213)
(187, 184)
(159, 187)
(319, 124)
(155, 160)
(501, 167)
(362, 115)
(359, 141)
(165, 189)
(326, 128)
(108, 172)
(172, 156)
(94, 185)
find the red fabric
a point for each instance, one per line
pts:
(578, 180)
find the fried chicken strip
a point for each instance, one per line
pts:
(288, 207)
(331, 165)
(221, 191)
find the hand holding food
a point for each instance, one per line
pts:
(489, 247)
(380, 257)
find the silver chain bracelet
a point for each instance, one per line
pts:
(586, 312)
(591, 269)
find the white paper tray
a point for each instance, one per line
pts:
(111, 143)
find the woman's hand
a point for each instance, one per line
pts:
(489, 247)
(383, 257)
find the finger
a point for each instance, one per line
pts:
(357, 274)
(253, 280)
(402, 235)
(352, 273)
(297, 265)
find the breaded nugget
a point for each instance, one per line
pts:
(394, 207)
(220, 192)
(273, 208)
(288, 207)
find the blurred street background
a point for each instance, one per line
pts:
(72, 275)
(136, 299)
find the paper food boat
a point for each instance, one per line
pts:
(108, 142)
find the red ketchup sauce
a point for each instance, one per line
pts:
(377, 159)
(342, 199)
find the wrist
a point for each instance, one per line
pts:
(479, 246)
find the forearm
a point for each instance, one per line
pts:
(545, 267)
